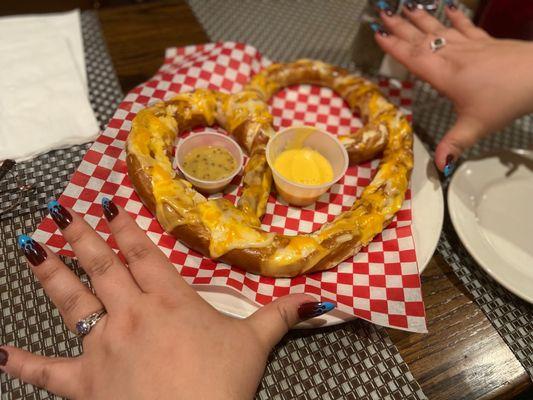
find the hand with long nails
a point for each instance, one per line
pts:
(490, 81)
(159, 339)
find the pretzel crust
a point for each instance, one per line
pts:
(220, 230)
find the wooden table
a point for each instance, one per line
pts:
(462, 356)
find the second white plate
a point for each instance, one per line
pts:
(491, 208)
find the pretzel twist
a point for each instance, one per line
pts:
(220, 230)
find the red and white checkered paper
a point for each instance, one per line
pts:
(381, 284)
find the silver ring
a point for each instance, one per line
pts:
(437, 43)
(84, 325)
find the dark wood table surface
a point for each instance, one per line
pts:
(462, 356)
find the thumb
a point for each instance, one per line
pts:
(274, 320)
(464, 134)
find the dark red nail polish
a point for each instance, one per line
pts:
(32, 250)
(110, 209)
(3, 357)
(59, 214)
(314, 309)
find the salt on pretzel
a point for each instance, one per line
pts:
(220, 230)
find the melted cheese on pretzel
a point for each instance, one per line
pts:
(246, 106)
(229, 228)
(299, 248)
(155, 128)
(202, 102)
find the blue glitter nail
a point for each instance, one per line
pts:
(322, 308)
(33, 251)
(451, 4)
(383, 5)
(314, 309)
(375, 26)
(24, 241)
(448, 169)
(53, 204)
(59, 214)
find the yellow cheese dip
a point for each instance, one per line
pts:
(209, 163)
(304, 166)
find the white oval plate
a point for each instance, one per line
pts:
(490, 200)
(428, 214)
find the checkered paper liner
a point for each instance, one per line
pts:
(381, 284)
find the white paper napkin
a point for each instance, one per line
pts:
(28, 27)
(43, 94)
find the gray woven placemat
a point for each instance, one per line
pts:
(50, 172)
(354, 361)
(285, 30)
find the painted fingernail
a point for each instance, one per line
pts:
(411, 6)
(385, 7)
(378, 29)
(3, 357)
(449, 167)
(59, 214)
(32, 250)
(110, 209)
(451, 4)
(314, 309)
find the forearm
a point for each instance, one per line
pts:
(521, 77)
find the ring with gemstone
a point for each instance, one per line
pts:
(84, 325)
(437, 43)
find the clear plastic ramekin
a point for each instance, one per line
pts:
(208, 139)
(299, 137)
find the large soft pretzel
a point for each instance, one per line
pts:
(220, 230)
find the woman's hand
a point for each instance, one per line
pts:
(159, 338)
(490, 81)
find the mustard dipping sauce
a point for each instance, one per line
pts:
(209, 163)
(304, 166)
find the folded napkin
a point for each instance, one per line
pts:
(43, 90)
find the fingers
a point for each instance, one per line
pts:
(464, 134)
(111, 279)
(73, 299)
(463, 24)
(274, 320)
(424, 21)
(418, 58)
(402, 29)
(58, 375)
(149, 266)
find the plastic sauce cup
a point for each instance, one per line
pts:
(208, 139)
(299, 137)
